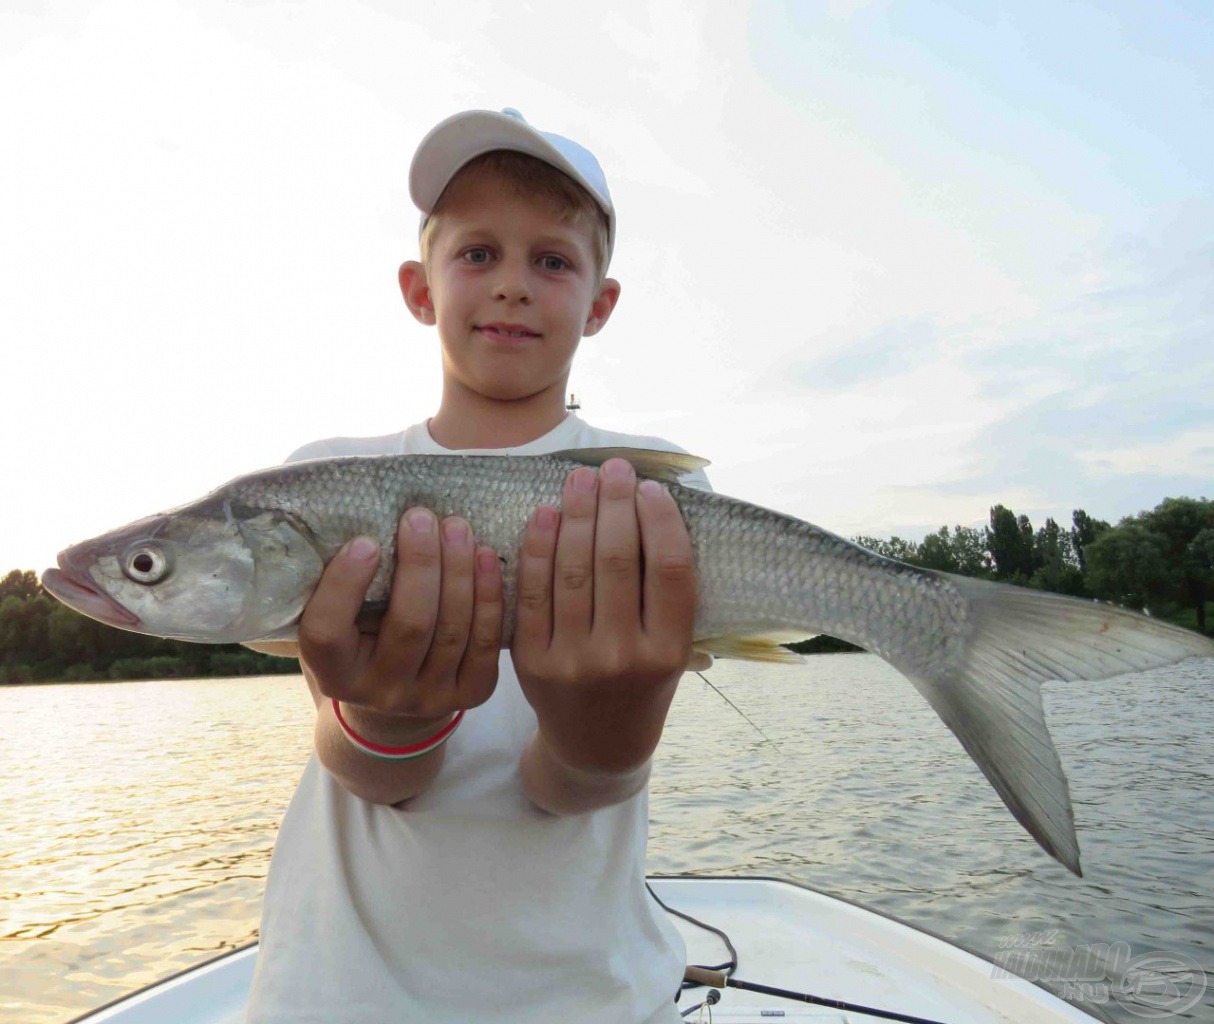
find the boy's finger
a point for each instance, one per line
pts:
(670, 578)
(450, 636)
(404, 634)
(478, 670)
(573, 579)
(617, 551)
(328, 636)
(533, 626)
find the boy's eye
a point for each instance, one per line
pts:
(551, 262)
(477, 255)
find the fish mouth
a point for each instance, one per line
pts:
(71, 586)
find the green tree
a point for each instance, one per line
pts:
(1010, 545)
(1199, 565)
(1183, 523)
(24, 637)
(1084, 531)
(74, 637)
(1053, 559)
(970, 552)
(895, 547)
(936, 552)
(1128, 564)
(21, 583)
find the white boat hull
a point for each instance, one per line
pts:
(787, 936)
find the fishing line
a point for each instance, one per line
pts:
(730, 965)
(766, 738)
(710, 1001)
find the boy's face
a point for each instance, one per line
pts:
(512, 288)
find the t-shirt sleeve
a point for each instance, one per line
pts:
(311, 450)
(697, 479)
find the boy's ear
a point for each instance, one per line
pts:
(416, 291)
(601, 307)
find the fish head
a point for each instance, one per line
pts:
(216, 572)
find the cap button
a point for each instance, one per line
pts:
(513, 113)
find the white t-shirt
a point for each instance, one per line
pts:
(467, 902)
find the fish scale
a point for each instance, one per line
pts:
(241, 564)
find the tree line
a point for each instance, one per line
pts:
(42, 640)
(1160, 561)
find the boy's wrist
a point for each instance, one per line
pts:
(391, 730)
(561, 788)
(595, 746)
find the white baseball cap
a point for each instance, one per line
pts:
(460, 138)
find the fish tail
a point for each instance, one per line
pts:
(989, 693)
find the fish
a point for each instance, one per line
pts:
(239, 565)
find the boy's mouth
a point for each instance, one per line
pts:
(507, 332)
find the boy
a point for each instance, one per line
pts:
(444, 868)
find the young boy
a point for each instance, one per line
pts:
(498, 875)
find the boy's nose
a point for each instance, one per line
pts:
(512, 287)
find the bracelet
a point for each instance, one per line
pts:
(397, 753)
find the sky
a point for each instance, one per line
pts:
(885, 264)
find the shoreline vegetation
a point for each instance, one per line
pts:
(1160, 561)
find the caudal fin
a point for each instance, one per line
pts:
(990, 696)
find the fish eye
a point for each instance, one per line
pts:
(145, 565)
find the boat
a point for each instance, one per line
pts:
(788, 938)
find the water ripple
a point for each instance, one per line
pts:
(154, 856)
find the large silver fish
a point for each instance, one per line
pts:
(241, 563)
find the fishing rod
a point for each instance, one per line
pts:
(719, 979)
(721, 976)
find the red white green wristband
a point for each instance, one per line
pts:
(397, 753)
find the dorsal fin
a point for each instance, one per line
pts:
(664, 466)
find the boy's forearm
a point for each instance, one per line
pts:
(558, 788)
(376, 780)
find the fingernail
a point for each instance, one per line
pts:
(545, 518)
(651, 488)
(617, 469)
(419, 520)
(486, 560)
(583, 481)
(455, 531)
(362, 549)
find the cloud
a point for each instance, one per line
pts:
(892, 349)
(1115, 384)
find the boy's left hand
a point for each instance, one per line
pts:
(603, 634)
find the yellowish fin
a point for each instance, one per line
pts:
(664, 466)
(752, 648)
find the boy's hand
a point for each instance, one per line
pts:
(437, 648)
(602, 634)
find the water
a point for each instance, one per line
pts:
(139, 817)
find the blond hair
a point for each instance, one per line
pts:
(531, 178)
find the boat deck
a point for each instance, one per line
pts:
(787, 936)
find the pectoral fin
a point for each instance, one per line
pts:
(756, 647)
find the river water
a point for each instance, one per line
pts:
(139, 818)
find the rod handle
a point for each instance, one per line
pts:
(703, 976)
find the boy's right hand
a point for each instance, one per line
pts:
(437, 648)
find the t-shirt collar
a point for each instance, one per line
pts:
(556, 439)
